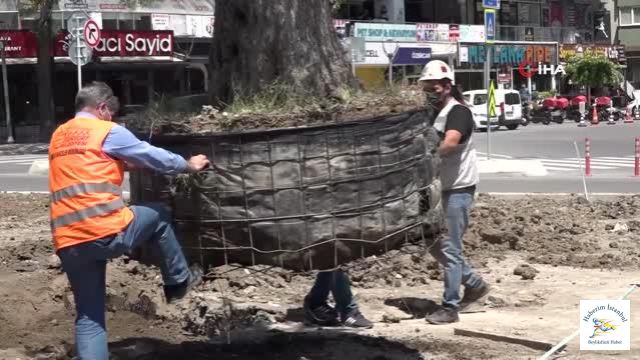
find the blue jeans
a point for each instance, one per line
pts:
(86, 264)
(336, 282)
(448, 251)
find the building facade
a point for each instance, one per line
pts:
(541, 32)
(145, 52)
(627, 32)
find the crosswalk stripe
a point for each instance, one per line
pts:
(23, 161)
(495, 155)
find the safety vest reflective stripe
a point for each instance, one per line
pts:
(78, 189)
(100, 209)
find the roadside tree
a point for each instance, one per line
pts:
(592, 71)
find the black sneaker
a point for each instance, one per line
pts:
(355, 319)
(323, 315)
(173, 293)
(472, 295)
(444, 315)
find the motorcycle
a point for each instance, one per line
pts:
(550, 109)
(574, 107)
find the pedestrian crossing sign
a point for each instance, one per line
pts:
(492, 100)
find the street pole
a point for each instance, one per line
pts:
(79, 32)
(5, 85)
(487, 80)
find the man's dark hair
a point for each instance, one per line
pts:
(95, 93)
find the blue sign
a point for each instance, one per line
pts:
(412, 56)
(490, 25)
(491, 4)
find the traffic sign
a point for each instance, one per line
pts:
(91, 33)
(492, 101)
(490, 25)
(76, 22)
(491, 4)
(79, 53)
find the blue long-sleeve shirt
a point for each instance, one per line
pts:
(121, 144)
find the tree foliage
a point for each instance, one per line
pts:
(593, 71)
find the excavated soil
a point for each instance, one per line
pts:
(522, 246)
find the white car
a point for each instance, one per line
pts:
(512, 117)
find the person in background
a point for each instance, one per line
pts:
(459, 177)
(317, 311)
(90, 222)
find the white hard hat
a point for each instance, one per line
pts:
(437, 70)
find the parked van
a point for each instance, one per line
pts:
(512, 116)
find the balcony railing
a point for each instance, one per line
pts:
(565, 35)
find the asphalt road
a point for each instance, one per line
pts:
(612, 163)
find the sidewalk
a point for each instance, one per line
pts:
(23, 149)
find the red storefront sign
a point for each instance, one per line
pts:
(20, 43)
(124, 43)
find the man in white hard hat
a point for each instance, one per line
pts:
(459, 177)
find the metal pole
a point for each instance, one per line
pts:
(487, 79)
(5, 85)
(79, 54)
(390, 70)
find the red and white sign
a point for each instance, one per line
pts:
(127, 43)
(91, 33)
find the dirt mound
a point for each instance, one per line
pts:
(308, 113)
(37, 310)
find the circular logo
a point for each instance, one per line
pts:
(527, 69)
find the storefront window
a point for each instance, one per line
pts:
(109, 21)
(8, 21)
(630, 16)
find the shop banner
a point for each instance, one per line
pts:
(472, 33)
(612, 53)
(432, 32)
(513, 55)
(20, 43)
(412, 56)
(124, 43)
(426, 32)
(200, 26)
(384, 32)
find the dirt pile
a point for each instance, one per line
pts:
(251, 117)
(236, 300)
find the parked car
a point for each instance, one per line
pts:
(508, 108)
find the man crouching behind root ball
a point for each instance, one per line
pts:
(90, 222)
(459, 177)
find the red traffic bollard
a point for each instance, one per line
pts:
(636, 169)
(587, 157)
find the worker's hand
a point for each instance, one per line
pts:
(197, 163)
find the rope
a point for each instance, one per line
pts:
(577, 332)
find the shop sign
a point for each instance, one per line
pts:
(383, 32)
(610, 52)
(512, 54)
(125, 43)
(412, 56)
(426, 32)
(20, 43)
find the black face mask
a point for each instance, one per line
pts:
(434, 101)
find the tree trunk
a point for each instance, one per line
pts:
(257, 42)
(44, 71)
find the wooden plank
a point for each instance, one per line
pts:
(537, 345)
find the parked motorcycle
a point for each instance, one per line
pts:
(550, 109)
(573, 112)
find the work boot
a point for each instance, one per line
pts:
(472, 295)
(444, 315)
(355, 319)
(174, 293)
(323, 315)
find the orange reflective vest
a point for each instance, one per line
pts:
(85, 184)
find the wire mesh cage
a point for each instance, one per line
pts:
(308, 198)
